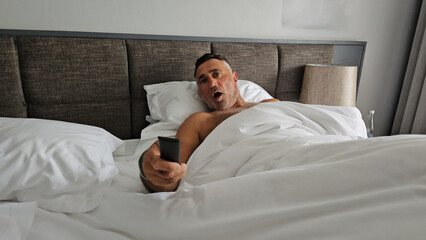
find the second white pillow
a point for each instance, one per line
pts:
(175, 101)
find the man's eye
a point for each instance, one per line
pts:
(202, 81)
(216, 74)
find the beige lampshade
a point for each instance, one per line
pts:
(333, 85)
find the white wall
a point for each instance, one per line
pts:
(386, 25)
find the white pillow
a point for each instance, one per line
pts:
(251, 92)
(64, 167)
(175, 101)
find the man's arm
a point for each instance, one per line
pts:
(165, 176)
(270, 100)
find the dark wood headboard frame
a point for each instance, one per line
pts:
(98, 78)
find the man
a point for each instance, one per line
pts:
(217, 86)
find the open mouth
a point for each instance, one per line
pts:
(217, 95)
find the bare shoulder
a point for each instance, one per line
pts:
(201, 123)
(198, 117)
(198, 120)
(270, 100)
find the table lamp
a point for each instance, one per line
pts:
(333, 85)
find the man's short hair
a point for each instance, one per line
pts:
(207, 57)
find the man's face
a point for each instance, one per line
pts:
(217, 84)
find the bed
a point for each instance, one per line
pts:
(78, 109)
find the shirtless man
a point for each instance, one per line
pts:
(217, 86)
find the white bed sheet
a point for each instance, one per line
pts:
(325, 187)
(16, 219)
(50, 225)
(291, 203)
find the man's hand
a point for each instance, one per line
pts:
(162, 175)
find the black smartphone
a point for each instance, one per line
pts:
(169, 149)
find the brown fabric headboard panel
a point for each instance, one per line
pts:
(12, 102)
(254, 62)
(99, 80)
(293, 58)
(77, 80)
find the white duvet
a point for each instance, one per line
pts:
(275, 171)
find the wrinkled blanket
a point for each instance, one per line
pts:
(275, 171)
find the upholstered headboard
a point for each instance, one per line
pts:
(98, 79)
